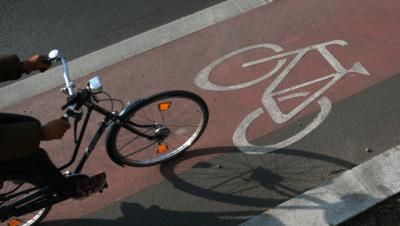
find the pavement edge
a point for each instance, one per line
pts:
(340, 198)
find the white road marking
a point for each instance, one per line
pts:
(202, 80)
(240, 140)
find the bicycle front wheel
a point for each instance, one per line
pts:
(157, 129)
(12, 190)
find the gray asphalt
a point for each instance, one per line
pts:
(234, 187)
(81, 27)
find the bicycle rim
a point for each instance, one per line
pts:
(23, 187)
(180, 117)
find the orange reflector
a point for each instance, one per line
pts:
(164, 106)
(15, 222)
(162, 148)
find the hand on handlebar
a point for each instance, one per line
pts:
(36, 62)
(55, 129)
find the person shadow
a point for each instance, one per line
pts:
(136, 214)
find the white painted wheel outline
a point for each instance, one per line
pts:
(239, 137)
(202, 79)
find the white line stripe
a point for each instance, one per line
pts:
(294, 95)
(340, 198)
(127, 48)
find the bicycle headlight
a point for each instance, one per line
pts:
(94, 85)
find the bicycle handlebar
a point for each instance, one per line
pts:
(56, 56)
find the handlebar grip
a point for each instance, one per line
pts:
(70, 102)
(64, 117)
(66, 105)
(47, 61)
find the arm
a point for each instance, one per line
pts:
(12, 68)
(55, 129)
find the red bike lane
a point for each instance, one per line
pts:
(360, 31)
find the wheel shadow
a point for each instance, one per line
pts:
(251, 180)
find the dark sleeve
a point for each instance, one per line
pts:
(10, 67)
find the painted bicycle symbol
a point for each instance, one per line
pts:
(270, 94)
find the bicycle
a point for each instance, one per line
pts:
(160, 127)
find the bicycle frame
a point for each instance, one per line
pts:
(109, 118)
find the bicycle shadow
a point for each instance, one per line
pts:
(272, 179)
(136, 214)
(253, 182)
(239, 179)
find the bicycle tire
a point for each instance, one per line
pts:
(179, 102)
(13, 184)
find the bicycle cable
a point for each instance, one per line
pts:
(112, 101)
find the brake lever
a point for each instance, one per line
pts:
(70, 102)
(47, 61)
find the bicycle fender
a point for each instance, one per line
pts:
(128, 108)
(115, 125)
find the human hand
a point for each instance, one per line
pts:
(35, 62)
(55, 129)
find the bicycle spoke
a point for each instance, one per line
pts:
(137, 137)
(144, 148)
